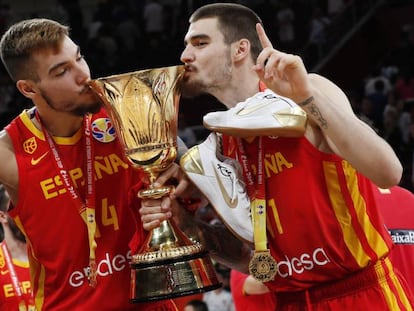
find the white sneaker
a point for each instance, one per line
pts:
(264, 114)
(220, 179)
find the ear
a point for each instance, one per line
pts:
(241, 50)
(27, 88)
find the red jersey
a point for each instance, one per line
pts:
(57, 236)
(322, 219)
(262, 302)
(397, 206)
(9, 299)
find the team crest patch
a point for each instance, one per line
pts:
(103, 130)
(30, 145)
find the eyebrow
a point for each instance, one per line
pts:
(63, 63)
(196, 37)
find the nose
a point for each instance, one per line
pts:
(83, 73)
(187, 56)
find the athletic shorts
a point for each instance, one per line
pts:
(374, 288)
(163, 305)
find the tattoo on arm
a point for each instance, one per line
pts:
(317, 114)
(313, 109)
(306, 102)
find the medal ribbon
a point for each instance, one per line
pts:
(14, 278)
(86, 209)
(257, 193)
(10, 266)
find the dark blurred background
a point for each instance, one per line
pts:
(365, 46)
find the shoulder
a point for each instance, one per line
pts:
(6, 146)
(402, 193)
(8, 165)
(393, 196)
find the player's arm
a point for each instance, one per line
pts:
(8, 166)
(223, 246)
(333, 127)
(349, 137)
(251, 286)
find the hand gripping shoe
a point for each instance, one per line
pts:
(220, 179)
(264, 114)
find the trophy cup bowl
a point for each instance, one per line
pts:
(144, 108)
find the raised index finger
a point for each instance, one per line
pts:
(264, 40)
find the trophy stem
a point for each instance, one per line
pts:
(167, 238)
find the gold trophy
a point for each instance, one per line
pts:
(144, 108)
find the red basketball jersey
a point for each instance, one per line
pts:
(57, 236)
(9, 299)
(322, 219)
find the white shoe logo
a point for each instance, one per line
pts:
(270, 96)
(231, 202)
(262, 103)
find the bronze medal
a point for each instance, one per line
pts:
(262, 266)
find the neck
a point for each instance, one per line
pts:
(59, 125)
(239, 89)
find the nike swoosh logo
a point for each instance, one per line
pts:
(36, 161)
(252, 108)
(4, 272)
(230, 203)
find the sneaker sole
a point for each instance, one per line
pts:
(292, 125)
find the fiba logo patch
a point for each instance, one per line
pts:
(103, 130)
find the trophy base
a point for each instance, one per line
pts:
(172, 277)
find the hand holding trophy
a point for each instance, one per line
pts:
(144, 108)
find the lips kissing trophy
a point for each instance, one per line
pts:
(144, 108)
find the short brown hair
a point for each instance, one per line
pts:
(24, 37)
(235, 22)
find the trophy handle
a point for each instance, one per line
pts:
(155, 193)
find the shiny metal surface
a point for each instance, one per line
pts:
(144, 108)
(187, 275)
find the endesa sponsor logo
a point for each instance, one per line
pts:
(302, 263)
(107, 266)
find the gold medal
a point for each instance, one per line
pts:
(262, 266)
